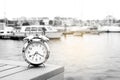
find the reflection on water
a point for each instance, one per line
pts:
(91, 57)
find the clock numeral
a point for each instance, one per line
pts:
(40, 58)
(43, 48)
(42, 55)
(36, 59)
(30, 55)
(32, 58)
(28, 52)
(43, 51)
(33, 45)
(39, 45)
(30, 48)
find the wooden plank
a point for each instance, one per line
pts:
(12, 71)
(50, 73)
(7, 67)
(57, 77)
(10, 62)
(36, 73)
(22, 72)
(1, 65)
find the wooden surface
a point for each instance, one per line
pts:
(15, 70)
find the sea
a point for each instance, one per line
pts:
(87, 57)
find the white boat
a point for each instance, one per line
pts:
(5, 31)
(109, 28)
(50, 31)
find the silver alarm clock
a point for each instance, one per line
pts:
(36, 50)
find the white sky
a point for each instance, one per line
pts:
(82, 9)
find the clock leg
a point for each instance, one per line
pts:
(43, 64)
(29, 66)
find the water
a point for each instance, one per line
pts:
(91, 57)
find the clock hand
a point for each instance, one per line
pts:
(40, 55)
(36, 53)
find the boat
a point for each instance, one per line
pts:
(78, 33)
(86, 30)
(48, 31)
(112, 29)
(5, 31)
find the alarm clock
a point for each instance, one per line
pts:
(36, 50)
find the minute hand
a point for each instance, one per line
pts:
(40, 55)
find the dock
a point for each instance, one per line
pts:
(12, 37)
(17, 70)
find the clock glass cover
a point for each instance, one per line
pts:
(36, 53)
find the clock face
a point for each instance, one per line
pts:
(35, 53)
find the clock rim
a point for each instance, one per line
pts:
(42, 43)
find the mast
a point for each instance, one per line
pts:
(5, 19)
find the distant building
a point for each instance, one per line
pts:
(109, 20)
